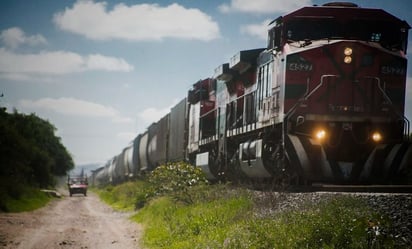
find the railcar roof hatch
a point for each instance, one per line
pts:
(223, 72)
(243, 60)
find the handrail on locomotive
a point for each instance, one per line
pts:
(405, 120)
(307, 95)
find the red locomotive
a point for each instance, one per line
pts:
(323, 102)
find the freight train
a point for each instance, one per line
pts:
(322, 102)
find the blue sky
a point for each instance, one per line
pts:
(103, 71)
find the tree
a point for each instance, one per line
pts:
(30, 153)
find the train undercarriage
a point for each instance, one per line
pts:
(267, 155)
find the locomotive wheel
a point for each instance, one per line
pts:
(214, 164)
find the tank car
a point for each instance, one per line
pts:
(157, 148)
(178, 126)
(163, 141)
(98, 176)
(127, 161)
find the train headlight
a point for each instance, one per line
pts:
(320, 134)
(347, 59)
(347, 52)
(377, 136)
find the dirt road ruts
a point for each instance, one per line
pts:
(70, 222)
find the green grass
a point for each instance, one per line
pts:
(231, 221)
(339, 223)
(124, 196)
(29, 200)
(220, 216)
(174, 225)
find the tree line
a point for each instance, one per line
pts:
(31, 155)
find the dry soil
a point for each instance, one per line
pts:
(69, 222)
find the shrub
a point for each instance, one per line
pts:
(176, 180)
(180, 181)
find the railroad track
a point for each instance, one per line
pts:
(361, 188)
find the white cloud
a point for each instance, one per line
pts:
(151, 114)
(105, 63)
(58, 62)
(26, 77)
(15, 37)
(263, 6)
(259, 30)
(74, 107)
(23, 66)
(142, 22)
(126, 136)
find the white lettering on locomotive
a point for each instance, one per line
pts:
(392, 70)
(298, 66)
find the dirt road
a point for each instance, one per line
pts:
(70, 222)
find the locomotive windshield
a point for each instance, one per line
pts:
(389, 35)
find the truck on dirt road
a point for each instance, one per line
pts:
(77, 184)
